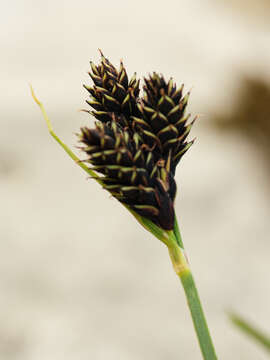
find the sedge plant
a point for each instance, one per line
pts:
(133, 151)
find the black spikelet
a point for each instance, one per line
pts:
(113, 92)
(137, 142)
(129, 172)
(163, 121)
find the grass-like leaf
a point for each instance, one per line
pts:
(165, 236)
(251, 331)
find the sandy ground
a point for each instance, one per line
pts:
(79, 278)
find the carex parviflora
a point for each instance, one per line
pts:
(137, 140)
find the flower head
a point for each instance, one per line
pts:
(137, 142)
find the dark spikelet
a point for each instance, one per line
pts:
(112, 92)
(129, 172)
(162, 118)
(137, 142)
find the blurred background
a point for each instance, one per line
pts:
(79, 278)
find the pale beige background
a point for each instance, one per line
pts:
(79, 279)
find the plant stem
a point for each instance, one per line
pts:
(198, 317)
(182, 269)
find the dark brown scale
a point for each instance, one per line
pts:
(123, 78)
(96, 79)
(165, 105)
(167, 133)
(158, 122)
(177, 95)
(119, 92)
(102, 116)
(95, 105)
(175, 114)
(149, 139)
(111, 104)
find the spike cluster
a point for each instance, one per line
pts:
(137, 142)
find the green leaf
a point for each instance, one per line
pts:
(177, 233)
(60, 142)
(165, 236)
(251, 331)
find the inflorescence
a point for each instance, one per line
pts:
(137, 141)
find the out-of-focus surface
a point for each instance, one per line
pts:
(249, 116)
(79, 279)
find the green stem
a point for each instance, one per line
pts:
(182, 269)
(198, 317)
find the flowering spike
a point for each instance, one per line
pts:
(137, 142)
